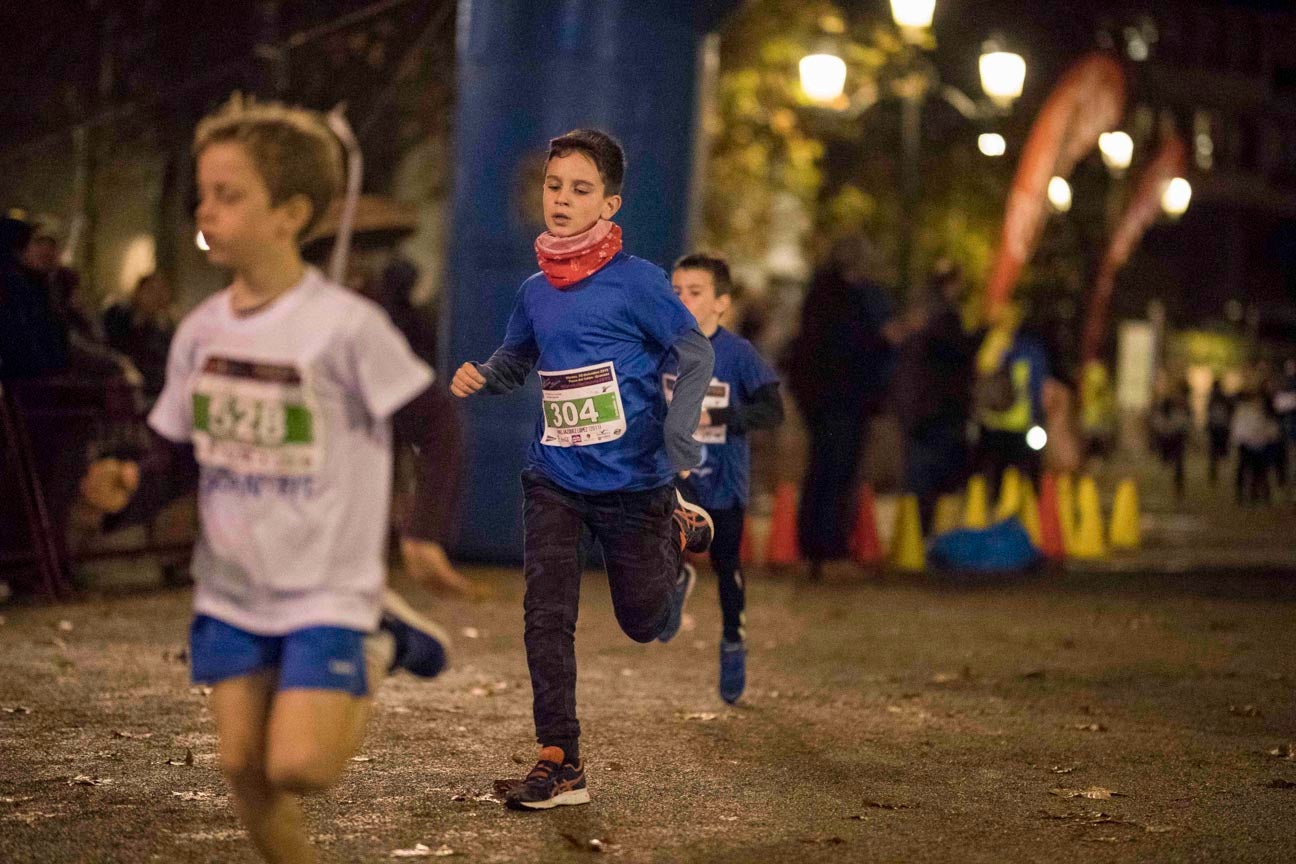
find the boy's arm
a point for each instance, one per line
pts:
(429, 423)
(509, 366)
(695, 361)
(119, 493)
(763, 411)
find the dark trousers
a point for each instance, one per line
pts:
(936, 463)
(642, 555)
(998, 450)
(726, 549)
(1252, 483)
(829, 490)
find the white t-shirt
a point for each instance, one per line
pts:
(289, 412)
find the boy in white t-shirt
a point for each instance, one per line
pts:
(281, 396)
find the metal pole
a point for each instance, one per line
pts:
(910, 180)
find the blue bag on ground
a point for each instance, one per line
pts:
(1001, 547)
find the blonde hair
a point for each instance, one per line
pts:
(292, 149)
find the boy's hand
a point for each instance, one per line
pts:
(704, 419)
(467, 381)
(427, 563)
(108, 485)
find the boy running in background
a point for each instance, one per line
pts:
(280, 399)
(744, 395)
(600, 326)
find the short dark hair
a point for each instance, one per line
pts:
(603, 150)
(713, 264)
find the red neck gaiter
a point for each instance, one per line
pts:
(567, 260)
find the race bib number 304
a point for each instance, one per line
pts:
(582, 406)
(255, 418)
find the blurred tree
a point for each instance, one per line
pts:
(841, 162)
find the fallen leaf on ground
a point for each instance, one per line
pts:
(361, 758)
(471, 633)
(16, 709)
(176, 655)
(614, 766)
(1093, 793)
(131, 736)
(1158, 829)
(884, 805)
(1285, 751)
(201, 795)
(65, 626)
(591, 845)
(698, 715)
(200, 690)
(1244, 711)
(1034, 673)
(521, 758)
(1089, 727)
(1280, 783)
(83, 780)
(187, 761)
(1058, 769)
(418, 850)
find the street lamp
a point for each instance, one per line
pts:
(1059, 194)
(913, 15)
(823, 76)
(1175, 198)
(1003, 74)
(1117, 149)
(992, 144)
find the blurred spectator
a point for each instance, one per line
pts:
(33, 336)
(42, 257)
(1276, 450)
(1284, 403)
(1171, 420)
(932, 392)
(1012, 366)
(1097, 411)
(141, 327)
(1219, 419)
(1253, 432)
(838, 370)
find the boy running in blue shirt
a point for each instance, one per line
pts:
(282, 394)
(744, 395)
(600, 326)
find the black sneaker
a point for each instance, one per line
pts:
(695, 526)
(551, 783)
(683, 588)
(421, 646)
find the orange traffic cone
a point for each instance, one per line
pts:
(1050, 523)
(783, 527)
(864, 545)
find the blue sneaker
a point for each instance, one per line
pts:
(421, 646)
(733, 670)
(683, 588)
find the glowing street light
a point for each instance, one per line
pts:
(1036, 438)
(1059, 194)
(201, 242)
(1117, 149)
(913, 14)
(1003, 74)
(823, 76)
(992, 144)
(1175, 198)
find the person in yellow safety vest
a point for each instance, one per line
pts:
(1097, 410)
(1012, 367)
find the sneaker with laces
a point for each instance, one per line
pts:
(695, 526)
(421, 646)
(683, 588)
(553, 782)
(733, 670)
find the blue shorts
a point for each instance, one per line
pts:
(315, 658)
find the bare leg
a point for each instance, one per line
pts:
(272, 816)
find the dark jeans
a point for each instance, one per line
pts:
(1252, 483)
(998, 450)
(726, 549)
(830, 488)
(936, 463)
(642, 555)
